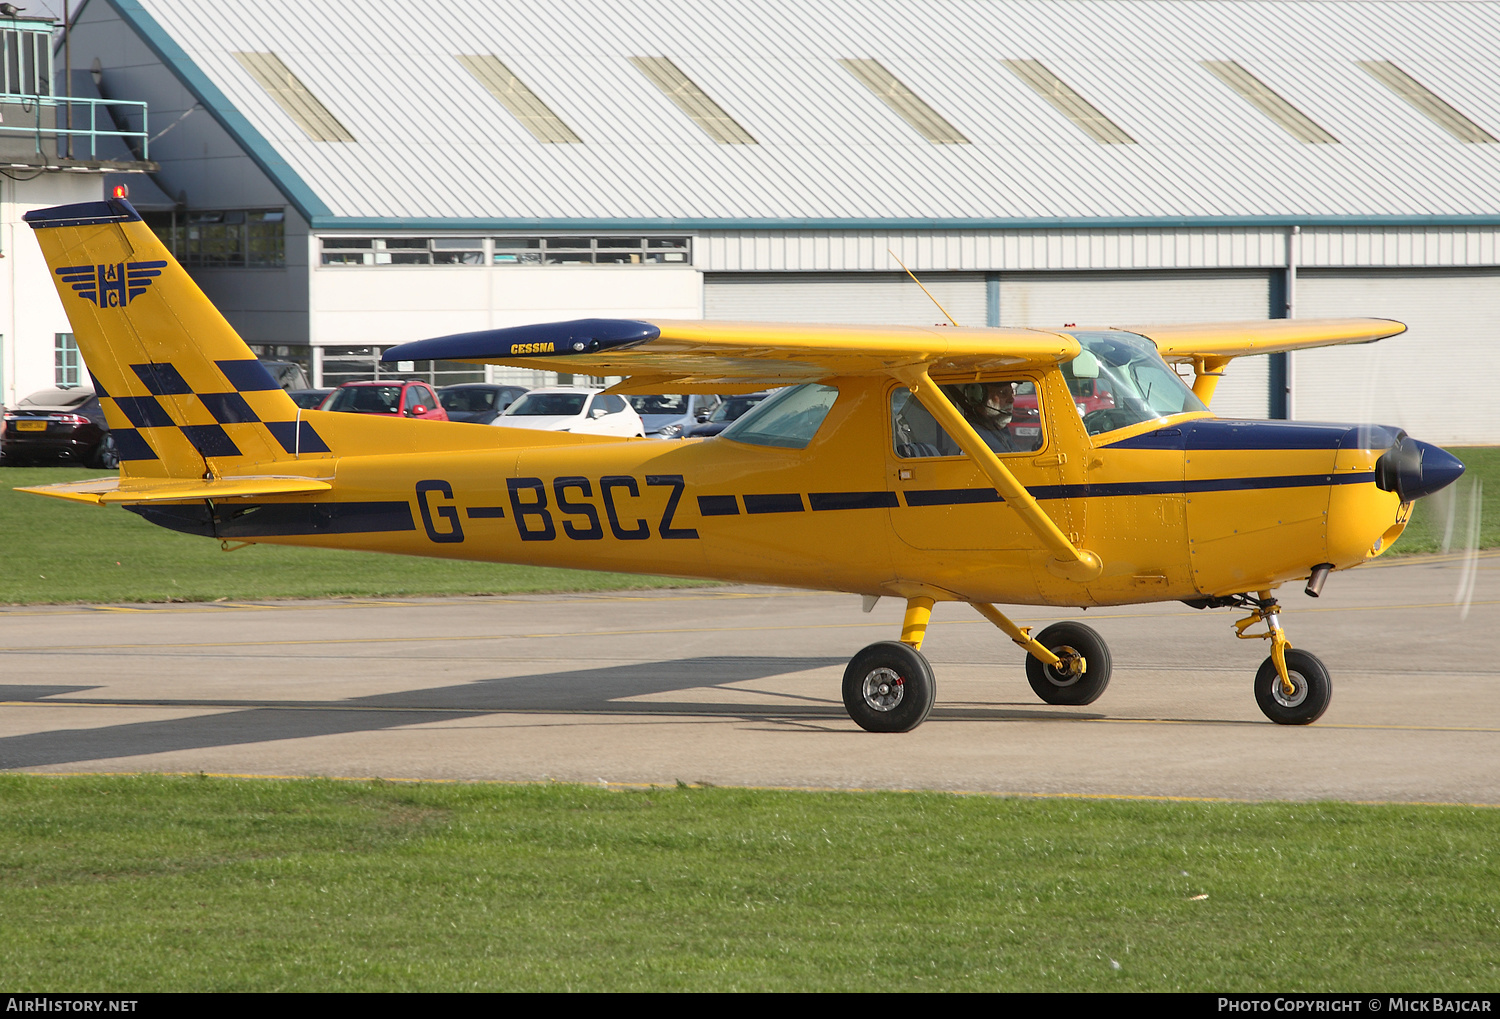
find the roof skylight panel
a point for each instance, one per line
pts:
(905, 103)
(1084, 115)
(1425, 101)
(294, 98)
(1265, 99)
(692, 100)
(523, 104)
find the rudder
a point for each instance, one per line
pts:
(182, 393)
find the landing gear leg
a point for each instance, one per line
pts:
(1291, 687)
(889, 686)
(1067, 663)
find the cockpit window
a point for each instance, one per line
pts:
(1004, 412)
(1133, 383)
(788, 419)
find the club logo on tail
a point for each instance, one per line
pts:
(111, 286)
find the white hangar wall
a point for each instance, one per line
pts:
(31, 313)
(397, 304)
(1433, 380)
(1443, 282)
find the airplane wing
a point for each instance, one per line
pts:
(1184, 344)
(676, 356)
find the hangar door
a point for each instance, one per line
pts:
(867, 298)
(1435, 380)
(1151, 298)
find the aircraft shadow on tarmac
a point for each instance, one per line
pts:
(600, 691)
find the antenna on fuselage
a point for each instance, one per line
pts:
(918, 282)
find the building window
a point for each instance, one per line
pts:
(357, 364)
(507, 251)
(26, 61)
(592, 251)
(403, 250)
(228, 238)
(67, 365)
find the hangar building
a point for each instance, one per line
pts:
(343, 177)
(55, 149)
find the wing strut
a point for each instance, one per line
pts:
(1207, 371)
(1068, 562)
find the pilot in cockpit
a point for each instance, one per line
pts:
(989, 407)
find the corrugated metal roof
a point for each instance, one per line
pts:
(432, 146)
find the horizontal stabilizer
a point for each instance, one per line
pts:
(132, 491)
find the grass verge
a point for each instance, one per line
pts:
(159, 883)
(58, 552)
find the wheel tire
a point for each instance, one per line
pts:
(1055, 686)
(1307, 704)
(106, 456)
(889, 687)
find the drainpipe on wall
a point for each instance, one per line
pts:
(1283, 301)
(1293, 242)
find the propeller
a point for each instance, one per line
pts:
(1415, 469)
(1460, 508)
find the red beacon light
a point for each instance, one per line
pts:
(120, 191)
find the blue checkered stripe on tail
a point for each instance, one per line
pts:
(226, 408)
(111, 285)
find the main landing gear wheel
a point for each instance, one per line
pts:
(1064, 684)
(888, 687)
(1312, 689)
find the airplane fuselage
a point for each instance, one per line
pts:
(1180, 508)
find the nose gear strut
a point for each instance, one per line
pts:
(1267, 611)
(1292, 687)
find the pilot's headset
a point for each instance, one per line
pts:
(973, 393)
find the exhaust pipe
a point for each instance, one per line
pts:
(1314, 586)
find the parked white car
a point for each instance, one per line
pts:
(672, 416)
(572, 409)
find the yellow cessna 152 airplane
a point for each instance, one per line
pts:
(895, 463)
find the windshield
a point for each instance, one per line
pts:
(535, 405)
(367, 399)
(57, 398)
(789, 419)
(1134, 383)
(655, 404)
(734, 407)
(468, 400)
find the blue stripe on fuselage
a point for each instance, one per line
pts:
(916, 498)
(1262, 435)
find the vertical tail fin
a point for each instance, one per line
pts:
(182, 393)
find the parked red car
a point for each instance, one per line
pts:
(1089, 395)
(409, 399)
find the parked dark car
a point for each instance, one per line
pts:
(477, 402)
(288, 374)
(409, 399)
(726, 414)
(58, 425)
(308, 399)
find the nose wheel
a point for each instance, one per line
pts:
(1292, 687)
(1310, 692)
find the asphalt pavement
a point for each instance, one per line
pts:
(740, 686)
